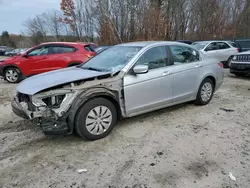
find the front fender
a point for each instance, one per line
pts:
(86, 95)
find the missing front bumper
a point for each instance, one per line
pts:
(19, 110)
(49, 126)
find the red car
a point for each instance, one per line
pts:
(45, 57)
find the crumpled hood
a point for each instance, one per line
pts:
(50, 79)
(244, 53)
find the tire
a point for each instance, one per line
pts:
(96, 130)
(12, 75)
(200, 100)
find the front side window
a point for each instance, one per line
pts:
(212, 46)
(183, 54)
(62, 49)
(199, 45)
(223, 45)
(154, 58)
(43, 50)
(112, 60)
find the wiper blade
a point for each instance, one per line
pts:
(92, 68)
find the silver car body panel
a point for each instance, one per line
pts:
(50, 79)
(136, 94)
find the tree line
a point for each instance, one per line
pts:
(115, 21)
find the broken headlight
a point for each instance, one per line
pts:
(58, 101)
(54, 101)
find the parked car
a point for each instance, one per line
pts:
(7, 51)
(240, 64)
(243, 43)
(45, 57)
(222, 50)
(3, 49)
(13, 52)
(123, 81)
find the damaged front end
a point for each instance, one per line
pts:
(55, 108)
(48, 108)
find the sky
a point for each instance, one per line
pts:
(13, 13)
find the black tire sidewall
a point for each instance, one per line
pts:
(199, 100)
(14, 69)
(82, 113)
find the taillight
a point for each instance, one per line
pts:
(238, 49)
(220, 64)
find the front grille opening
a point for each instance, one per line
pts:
(23, 97)
(243, 58)
(54, 101)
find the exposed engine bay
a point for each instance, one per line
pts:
(52, 107)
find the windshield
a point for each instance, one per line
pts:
(199, 45)
(112, 60)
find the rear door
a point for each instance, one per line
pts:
(61, 56)
(186, 72)
(225, 51)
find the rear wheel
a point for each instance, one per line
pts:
(205, 92)
(96, 119)
(12, 75)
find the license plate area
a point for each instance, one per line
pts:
(241, 67)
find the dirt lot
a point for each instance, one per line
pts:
(181, 147)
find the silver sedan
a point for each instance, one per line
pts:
(123, 81)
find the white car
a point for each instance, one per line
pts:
(222, 50)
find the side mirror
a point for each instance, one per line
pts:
(25, 55)
(140, 69)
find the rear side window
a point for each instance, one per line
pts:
(233, 44)
(223, 45)
(62, 49)
(183, 54)
(90, 48)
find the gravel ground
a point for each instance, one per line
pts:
(180, 147)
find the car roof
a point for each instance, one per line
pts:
(68, 43)
(207, 41)
(147, 43)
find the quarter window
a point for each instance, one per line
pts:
(62, 49)
(183, 54)
(154, 58)
(223, 45)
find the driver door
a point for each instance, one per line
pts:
(152, 90)
(37, 60)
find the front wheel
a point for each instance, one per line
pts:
(12, 75)
(96, 119)
(205, 92)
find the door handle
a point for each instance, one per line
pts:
(165, 73)
(198, 66)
